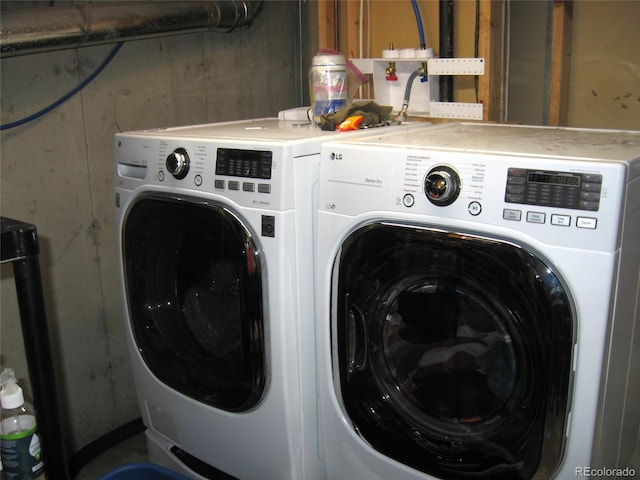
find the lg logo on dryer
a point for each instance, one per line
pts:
(335, 156)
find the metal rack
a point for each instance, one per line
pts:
(19, 245)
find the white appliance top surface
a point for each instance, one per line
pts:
(263, 130)
(618, 145)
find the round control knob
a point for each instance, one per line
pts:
(442, 185)
(178, 163)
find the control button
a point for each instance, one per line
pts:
(591, 187)
(197, 180)
(475, 208)
(442, 185)
(265, 169)
(586, 205)
(517, 172)
(511, 214)
(586, 222)
(516, 180)
(536, 217)
(561, 220)
(591, 178)
(248, 187)
(177, 163)
(511, 198)
(408, 200)
(590, 196)
(233, 185)
(264, 188)
(219, 183)
(161, 176)
(268, 226)
(515, 189)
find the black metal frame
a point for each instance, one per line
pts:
(20, 246)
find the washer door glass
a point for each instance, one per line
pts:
(194, 291)
(453, 351)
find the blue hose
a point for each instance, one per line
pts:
(66, 97)
(416, 11)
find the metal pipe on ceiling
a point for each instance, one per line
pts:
(34, 27)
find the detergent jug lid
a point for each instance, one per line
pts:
(328, 59)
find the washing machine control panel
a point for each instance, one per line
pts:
(245, 175)
(236, 162)
(250, 175)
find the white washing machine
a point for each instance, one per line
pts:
(216, 249)
(477, 303)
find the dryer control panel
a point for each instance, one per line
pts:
(573, 190)
(565, 202)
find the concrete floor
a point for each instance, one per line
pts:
(131, 450)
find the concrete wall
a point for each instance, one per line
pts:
(57, 174)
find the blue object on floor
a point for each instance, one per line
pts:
(142, 471)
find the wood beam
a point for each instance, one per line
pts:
(560, 62)
(328, 24)
(490, 47)
(349, 47)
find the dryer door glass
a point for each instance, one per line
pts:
(454, 351)
(194, 291)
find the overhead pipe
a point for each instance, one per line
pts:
(446, 47)
(26, 28)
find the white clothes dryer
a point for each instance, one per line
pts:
(477, 303)
(216, 249)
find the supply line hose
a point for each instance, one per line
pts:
(416, 11)
(66, 97)
(422, 72)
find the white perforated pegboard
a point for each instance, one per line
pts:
(457, 110)
(435, 66)
(455, 66)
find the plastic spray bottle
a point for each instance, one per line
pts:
(19, 440)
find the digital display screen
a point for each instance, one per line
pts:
(244, 163)
(554, 178)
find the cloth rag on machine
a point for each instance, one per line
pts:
(372, 115)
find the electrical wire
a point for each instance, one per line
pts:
(66, 97)
(416, 11)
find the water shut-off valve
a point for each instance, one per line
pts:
(391, 72)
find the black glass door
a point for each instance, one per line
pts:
(194, 291)
(454, 351)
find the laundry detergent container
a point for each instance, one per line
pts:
(142, 471)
